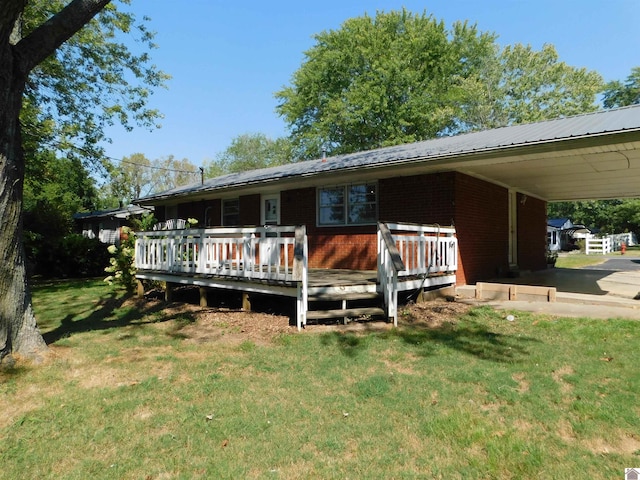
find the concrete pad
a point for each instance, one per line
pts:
(608, 290)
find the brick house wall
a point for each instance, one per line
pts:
(482, 228)
(478, 209)
(212, 213)
(250, 210)
(424, 199)
(329, 247)
(191, 210)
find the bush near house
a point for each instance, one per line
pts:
(70, 256)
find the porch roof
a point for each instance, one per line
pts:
(590, 156)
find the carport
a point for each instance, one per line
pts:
(587, 157)
(595, 156)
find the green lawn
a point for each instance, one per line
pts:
(579, 260)
(129, 395)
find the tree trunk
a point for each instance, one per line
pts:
(18, 330)
(18, 56)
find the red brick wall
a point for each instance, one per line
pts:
(159, 213)
(329, 247)
(421, 199)
(249, 211)
(191, 210)
(478, 209)
(482, 227)
(532, 232)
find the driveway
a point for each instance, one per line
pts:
(621, 264)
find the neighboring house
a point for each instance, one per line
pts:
(554, 227)
(563, 234)
(491, 186)
(105, 225)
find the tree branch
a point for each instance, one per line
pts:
(45, 39)
(9, 12)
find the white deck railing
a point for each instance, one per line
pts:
(425, 249)
(262, 253)
(408, 250)
(281, 254)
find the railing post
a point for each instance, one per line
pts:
(300, 273)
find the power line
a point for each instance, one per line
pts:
(59, 145)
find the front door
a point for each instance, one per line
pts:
(270, 216)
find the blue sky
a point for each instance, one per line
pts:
(227, 59)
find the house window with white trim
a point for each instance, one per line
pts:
(231, 212)
(348, 204)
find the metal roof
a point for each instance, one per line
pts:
(447, 152)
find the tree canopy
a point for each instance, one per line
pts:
(90, 82)
(399, 77)
(250, 151)
(619, 94)
(136, 176)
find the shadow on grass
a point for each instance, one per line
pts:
(472, 338)
(109, 312)
(472, 334)
(350, 344)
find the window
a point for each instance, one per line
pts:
(347, 205)
(231, 212)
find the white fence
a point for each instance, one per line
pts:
(281, 254)
(617, 239)
(597, 246)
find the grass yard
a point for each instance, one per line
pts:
(579, 260)
(137, 391)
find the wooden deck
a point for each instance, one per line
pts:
(274, 261)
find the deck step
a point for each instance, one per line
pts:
(345, 312)
(336, 297)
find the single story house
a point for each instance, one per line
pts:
(105, 225)
(488, 190)
(563, 234)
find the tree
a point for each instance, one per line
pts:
(137, 176)
(76, 88)
(169, 172)
(592, 213)
(251, 151)
(131, 178)
(618, 94)
(380, 81)
(400, 77)
(521, 85)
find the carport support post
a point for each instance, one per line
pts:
(203, 297)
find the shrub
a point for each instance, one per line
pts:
(122, 267)
(69, 256)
